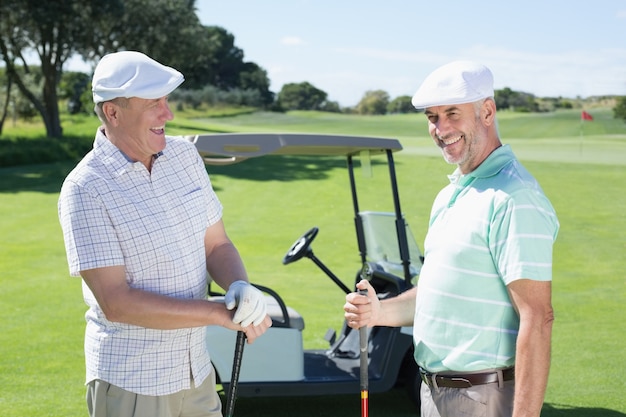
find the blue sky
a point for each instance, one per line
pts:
(552, 48)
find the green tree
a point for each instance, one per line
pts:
(56, 30)
(502, 98)
(373, 102)
(5, 100)
(255, 78)
(178, 40)
(301, 96)
(167, 30)
(12, 102)
(330, 107)
(53, 31)
(225, 60)
(515, 100)
(619, 111)
(214, 59)
(401, 104)
(71, 88)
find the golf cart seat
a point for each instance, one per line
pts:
(382, 248)
(275, 311)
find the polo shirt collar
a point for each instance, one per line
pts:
(494, 163)
(116, 161)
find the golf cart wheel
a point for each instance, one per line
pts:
(300, 247)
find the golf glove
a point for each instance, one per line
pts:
(250, 303)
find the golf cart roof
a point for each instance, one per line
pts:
(230, 148)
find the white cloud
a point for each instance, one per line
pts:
(621, 14)
(292, 41)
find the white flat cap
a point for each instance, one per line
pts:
(458, 82)
(132, 74)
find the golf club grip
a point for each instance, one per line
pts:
(363, 357)
(232, 389)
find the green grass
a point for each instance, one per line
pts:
(270, 202)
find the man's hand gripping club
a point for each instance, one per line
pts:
(250, 303)
(362, 309)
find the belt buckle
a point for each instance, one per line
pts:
(429, 379)
(446, 381)
(426, 379)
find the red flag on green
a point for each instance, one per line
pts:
(586, 116)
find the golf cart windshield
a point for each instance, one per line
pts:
(381, 241)
(384, 239)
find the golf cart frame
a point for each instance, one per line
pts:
(278, 365)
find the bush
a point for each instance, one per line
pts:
(401, 104)
(23, 151)
(212, 96)
(619, 111)
(373, 102)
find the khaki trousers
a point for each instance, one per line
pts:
(106, 400)
(486, 400)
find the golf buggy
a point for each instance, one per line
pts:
(276, 364)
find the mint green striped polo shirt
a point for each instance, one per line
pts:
(487, 229)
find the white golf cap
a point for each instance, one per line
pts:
(458, 82)
(132, 74)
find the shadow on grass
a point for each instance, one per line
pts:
(394, 403)
(48, 178)
(556, 410)
(44, 178)
(43, 150)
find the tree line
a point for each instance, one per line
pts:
(214, 67)
(167, 30)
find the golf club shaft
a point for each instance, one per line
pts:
(363, 367)
(234, 379)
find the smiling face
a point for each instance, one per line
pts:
(137, 126)
(465, 133)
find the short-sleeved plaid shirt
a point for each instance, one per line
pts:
(115, 212)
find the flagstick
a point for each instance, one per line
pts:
(580, 149)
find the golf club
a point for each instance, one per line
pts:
(234, 379)
(363, 367)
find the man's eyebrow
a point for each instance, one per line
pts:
(446, 110)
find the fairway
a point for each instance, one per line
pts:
(549, 137)
(269, 202)
(593, 150)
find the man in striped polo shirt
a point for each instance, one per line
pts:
(481, 312)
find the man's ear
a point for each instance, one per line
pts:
(111, 112)
(488, 112)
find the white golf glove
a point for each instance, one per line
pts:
(250, 303)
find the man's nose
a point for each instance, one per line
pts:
(166, 111)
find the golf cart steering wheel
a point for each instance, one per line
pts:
(300, 247)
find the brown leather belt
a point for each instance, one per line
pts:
(465, 380)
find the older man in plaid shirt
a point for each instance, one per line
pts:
(143, 228)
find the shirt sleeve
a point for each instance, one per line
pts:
(522, 235)
(89, 235)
